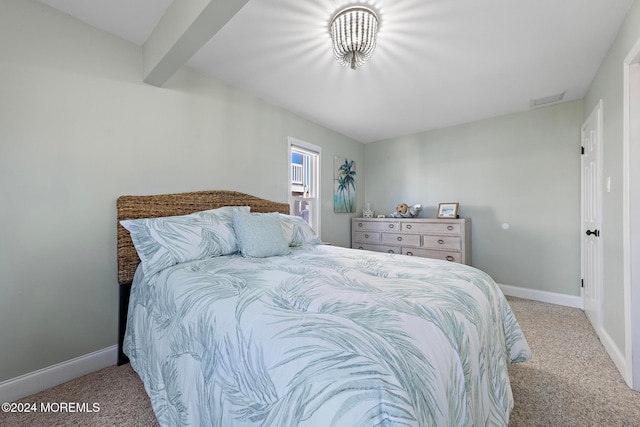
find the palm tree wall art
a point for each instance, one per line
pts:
(344, 195)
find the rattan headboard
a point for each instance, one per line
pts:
(134, 207)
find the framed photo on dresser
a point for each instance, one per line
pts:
(448, 210)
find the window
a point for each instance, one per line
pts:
(304, 181)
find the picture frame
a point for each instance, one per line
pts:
(448, 210)
(344, 193)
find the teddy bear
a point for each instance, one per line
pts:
(402, 208)
(405, 211)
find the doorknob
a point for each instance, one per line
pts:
(594, 232)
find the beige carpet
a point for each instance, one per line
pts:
(571, 381)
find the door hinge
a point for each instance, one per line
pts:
(582, 283)
(582, 150)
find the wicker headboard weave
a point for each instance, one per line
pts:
(134, 207)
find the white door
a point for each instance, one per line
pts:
(591, 247)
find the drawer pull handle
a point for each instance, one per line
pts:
(450, 258)
(449, 227)
(410, 253)
(409, 226)
(391, 251)
(390, 225)
(359, 224)
(399, 239)
(440, 241)
(366, 236)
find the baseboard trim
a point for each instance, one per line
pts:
(42, 379)
(542, 296)
(614, 352)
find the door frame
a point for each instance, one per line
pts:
(596, 114)
(631, 242)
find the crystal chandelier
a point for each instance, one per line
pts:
(353, 32)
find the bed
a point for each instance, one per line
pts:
(303, 335)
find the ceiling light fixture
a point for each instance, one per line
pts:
(353, 32)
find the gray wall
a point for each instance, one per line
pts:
(78, 129)
(520, 169)
(608, 86)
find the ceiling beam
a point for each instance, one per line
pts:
(185, 27)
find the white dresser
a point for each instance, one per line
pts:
(446, 239)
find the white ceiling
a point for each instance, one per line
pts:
(437, 63)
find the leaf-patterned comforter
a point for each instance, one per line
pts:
(326, 336)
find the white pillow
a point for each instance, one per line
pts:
(166, 241)
(297, 231)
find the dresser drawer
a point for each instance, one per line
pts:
(375, 225)
(379, 248)
(426, 253)
(433, 227)
(453, 243)
(401, 239)
(366, 237)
